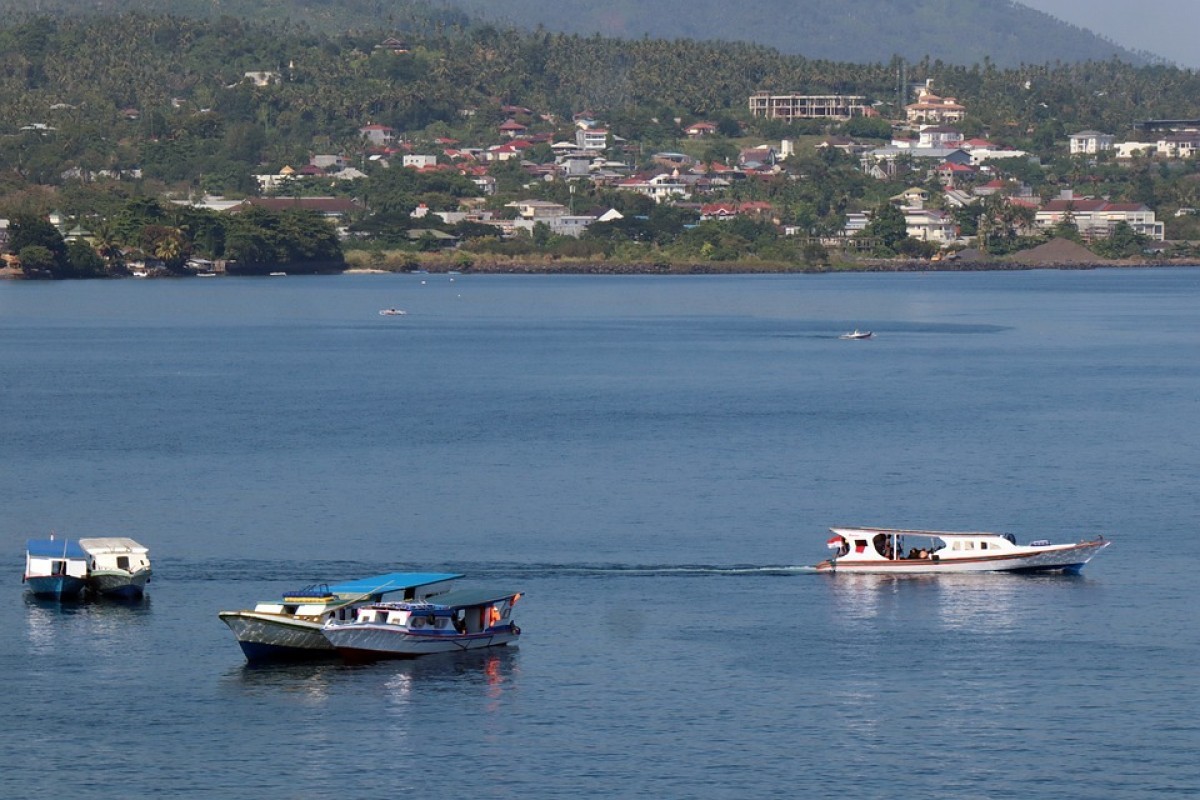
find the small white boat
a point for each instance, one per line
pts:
(894, 551)
(119, 567)
(55, 568)
(392, 312)
(290, 628)
(857, 334)
(466, 619)
(277, 274)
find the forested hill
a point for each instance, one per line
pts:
(862, 31)
(963, 32)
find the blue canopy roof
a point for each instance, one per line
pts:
(391, 582)
(466, 598)
(54, 548)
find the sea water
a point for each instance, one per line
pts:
(654, 462)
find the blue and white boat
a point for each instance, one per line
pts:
(119, 567)
(55, 568)
(466, 619)
(291, 628)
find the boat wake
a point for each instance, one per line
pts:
(306, 572)
(638, 570)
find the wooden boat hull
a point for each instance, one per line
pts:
(267, 637)
(56, 587)
(120, 584)
(364, 643)
(1069, 558)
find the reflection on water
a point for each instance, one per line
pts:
(398, 680)
(981, 603)
(101, 624)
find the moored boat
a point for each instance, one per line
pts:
(118, 567)
(465, 619)
(55, 568)
(894, 551)
(290, 628)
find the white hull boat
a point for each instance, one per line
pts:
(291, 629)
(119, 567)
(857, 334)
(894, 551)
(468, 619)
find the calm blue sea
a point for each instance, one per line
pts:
(653, 460)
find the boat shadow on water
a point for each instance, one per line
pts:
(489, 667)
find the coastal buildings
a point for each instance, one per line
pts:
(804, 106)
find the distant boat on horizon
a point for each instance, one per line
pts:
(857, 334)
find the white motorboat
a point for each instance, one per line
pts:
(290, 629)
(392, 312)
(466, 619)
(857, 334)
(119, 567)
(893, 551)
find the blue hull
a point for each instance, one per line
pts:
(257, 652)
(56, 587)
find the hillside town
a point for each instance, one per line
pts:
(538, 181)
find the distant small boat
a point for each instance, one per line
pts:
(206, 274)
(120, 567)
(392, 312)
(857, 334)
(277, 274)
(55, 568)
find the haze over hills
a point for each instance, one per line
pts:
(1005, 32)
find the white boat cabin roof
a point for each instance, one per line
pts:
(112, 544)
(946, 535)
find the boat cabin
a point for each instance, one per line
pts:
(463, 612)
(338, 601)
(116, 553)
(891, 544)
(55, 558)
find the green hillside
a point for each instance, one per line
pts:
(953, 31)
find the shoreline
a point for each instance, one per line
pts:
(438, 267)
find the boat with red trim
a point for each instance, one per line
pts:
(898, 551)
(465, 619)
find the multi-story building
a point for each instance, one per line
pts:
(806, 106)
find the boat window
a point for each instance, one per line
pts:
(983, 545)
(290, 609)
(417, 622)
(956, 546)
(441, 623)
(122, 562)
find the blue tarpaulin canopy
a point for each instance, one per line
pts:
(391, 582)
(54, 548)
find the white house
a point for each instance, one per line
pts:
(418, 161)
(592, 138)
(930, 225)
(1091, 142)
